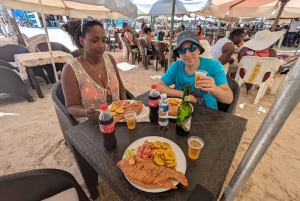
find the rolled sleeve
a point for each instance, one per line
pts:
(169, 77)
(219, 74)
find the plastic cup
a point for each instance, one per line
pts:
(195, 146)
(198, 75)
(130, 119)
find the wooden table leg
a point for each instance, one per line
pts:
(88, 173)
(35, 82)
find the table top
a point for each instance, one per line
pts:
(41, 58)
(220, 131)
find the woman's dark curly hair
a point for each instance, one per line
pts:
(73, 28)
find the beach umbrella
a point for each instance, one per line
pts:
(111, 9)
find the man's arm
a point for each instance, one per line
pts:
(227, 50)
(163, 88)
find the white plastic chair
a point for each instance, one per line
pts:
(28, 40)
(205, 44)
(280, 42)
(123, 45)
(33, 43)
(267, 64)
(225, 67)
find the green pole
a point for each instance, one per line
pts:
(171, 35)
(262, 20)
(151, 20)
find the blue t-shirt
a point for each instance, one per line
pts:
(176, 75)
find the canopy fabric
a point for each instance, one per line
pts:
(164, 7)
(111, 9)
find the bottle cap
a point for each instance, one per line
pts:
(153, 86)
(163, 95)
(103, 106)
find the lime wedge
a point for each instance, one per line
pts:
(129, 153)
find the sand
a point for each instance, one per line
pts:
(33, 140)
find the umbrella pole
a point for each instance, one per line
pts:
(283, 3)
(48, 41)
(285, 102)
(171, 36)
(151, 20)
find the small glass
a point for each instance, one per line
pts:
(195, 146)
(198, 75)
(130, 119)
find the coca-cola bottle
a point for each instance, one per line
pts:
(153, 103)
(107, 128)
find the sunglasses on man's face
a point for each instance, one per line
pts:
(191, 48)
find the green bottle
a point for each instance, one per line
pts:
(184, 114)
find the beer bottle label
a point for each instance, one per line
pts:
(187, 124)
(187, 98)
(105, 129)
(153, 103)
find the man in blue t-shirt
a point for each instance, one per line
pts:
(214, 85)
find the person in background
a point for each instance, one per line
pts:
(126, 33)
(260, 46)
(290, 35)
(92, 78)
(147, 39)
(141, 32)
(179, 30)
(214, 84)
(198, 31)
(225, 47)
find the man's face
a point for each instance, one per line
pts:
(238, 39)
(189, 58)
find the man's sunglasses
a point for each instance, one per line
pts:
(191, 48)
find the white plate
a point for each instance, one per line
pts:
(179, 157)
(139, 116)
(175, 117)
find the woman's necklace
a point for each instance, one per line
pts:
(92, 67)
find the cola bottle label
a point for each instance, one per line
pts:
(153, 103)
(105, 129)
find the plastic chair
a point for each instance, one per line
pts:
(7, 53)
(24, 36)
(33, 43)
(75, 53)
(129, 51)
(267, 64)
(143, 51)
(38, 184)
(43, 47)
(123, 45)
(225, 67)
(205, 44)
(11, 83)
(29, 40)
(160, 49)
(235, 88)
(8, 65)
(65, 119)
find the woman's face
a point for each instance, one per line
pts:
(94, 42)
(197, 30)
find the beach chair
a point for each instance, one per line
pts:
(41, 184)
(123, 45)
(11, 83)
(256, 67)
(235, 88)
(65, 119)
(7, 53)
(143, 51)
(31, 45)
(134, 55)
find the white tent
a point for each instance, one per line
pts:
(175, 18)
(164, 7)
(111, 9)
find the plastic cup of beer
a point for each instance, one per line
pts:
(198, 75)
(130, 119)
(195, 146)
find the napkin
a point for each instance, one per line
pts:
(145, 116)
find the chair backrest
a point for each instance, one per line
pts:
(8, 51)
(33, 43)
(230, 108)
(65, 119)
(24, 36)
(75, 53)
(160, 50)
(7, 65)
(117, 37)
(205, 44)
(127, 43)
(28, 40)
(140, 45)
(256, 67)
(46, 182)
(121, 39)
(43, 47)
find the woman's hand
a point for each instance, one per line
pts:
(92, 113)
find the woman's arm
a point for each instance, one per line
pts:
(121, 86)
(72, 95)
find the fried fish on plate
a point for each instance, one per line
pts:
(136, 106)
(145, 172)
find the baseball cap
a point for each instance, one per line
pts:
(187, 35)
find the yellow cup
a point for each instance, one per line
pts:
(195, 146)
(198, 75)
(130, 119)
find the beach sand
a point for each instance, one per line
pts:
(33, 139)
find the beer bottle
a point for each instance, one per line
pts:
(184, 114)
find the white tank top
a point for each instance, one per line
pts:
(216, 50)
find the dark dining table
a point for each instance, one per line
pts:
(220, 131)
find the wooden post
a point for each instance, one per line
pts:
(283, 3)
(12, 25)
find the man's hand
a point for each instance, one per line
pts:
(92, 113)
(193, 99)
(207, 83)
